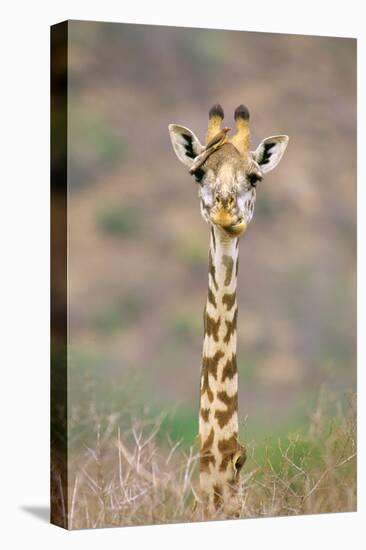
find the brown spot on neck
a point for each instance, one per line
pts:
(231, 327)
(209, 366)
(231, 403)
(211, 297)
(206, 456)
(229, 264)
(211, 363)
(230, 369)
(212, 327)
(229, 300)
(212, 269)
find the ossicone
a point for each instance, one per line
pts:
(241, 139)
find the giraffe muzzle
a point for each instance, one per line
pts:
(232, 225)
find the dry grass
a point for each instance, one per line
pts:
(134, 478)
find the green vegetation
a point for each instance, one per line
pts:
(136, 474)
(181, 425)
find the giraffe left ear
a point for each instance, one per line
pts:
(185, 144)
(269, 152)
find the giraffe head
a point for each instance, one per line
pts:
(226, 170)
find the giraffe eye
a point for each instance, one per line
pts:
(253, 179)
(198, 175)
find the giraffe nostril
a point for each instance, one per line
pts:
(217, 199)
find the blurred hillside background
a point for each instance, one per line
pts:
(138, 246)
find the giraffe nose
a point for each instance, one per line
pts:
(226, 202)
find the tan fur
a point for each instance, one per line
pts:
(214, 127)
(241, 140)
(221, 454)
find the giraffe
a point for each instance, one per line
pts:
(227, 174)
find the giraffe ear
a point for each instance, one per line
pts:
(239, 459)
(269, 152)
(185, 144)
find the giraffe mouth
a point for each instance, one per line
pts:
(225, 220)
(237, 228)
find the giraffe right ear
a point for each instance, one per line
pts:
(185, 144)
(269, 152)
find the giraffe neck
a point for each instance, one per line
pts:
(221, 456)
